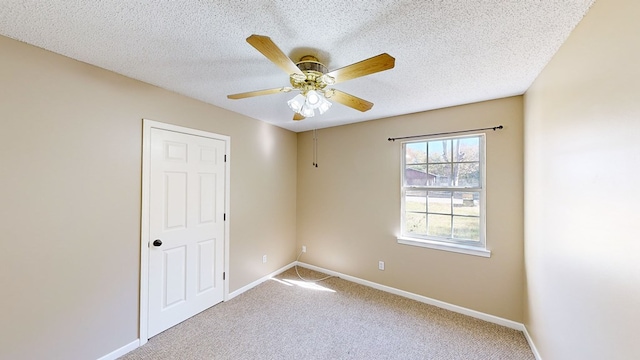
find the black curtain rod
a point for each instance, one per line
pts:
(446, 133)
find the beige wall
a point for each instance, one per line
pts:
(349, 208)
(70, 155)
(582, 219)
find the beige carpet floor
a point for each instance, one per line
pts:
(285, 318)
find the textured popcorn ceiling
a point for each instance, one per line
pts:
(447, 52)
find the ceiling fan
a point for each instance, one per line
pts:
(311, 78)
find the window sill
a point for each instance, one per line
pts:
(462, 249)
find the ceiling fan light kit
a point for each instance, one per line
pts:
(311, 77)
(306, 103)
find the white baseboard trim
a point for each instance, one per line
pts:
(536, 354)
(122, 351)
(260, 281)
(441, 304)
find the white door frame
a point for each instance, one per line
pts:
(147, 125)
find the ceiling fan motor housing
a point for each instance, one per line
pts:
(314, 71)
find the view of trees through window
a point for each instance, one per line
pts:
(442, 188)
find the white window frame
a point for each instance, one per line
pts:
(477, 248)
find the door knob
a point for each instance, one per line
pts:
(157, 242)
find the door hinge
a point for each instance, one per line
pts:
(224, 217)
(225, 157)
(224, 275)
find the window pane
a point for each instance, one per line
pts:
(442, 189)
(440, 174)
(466, 174)
(440, 151)
(466, 228)
(467, 149)
(439, 225)
(416, 153)
(415, 201)
(416, 175)
(439, 202)
(415, 223)
(466, 203)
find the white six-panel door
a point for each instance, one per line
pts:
(186, 227)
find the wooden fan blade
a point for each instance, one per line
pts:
(350, 100)
(256, 93)
(366, 67)
(298, 117)
(269, 49)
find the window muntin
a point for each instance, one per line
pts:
(443, 190)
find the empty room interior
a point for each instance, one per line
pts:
(543, 238)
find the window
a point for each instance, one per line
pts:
(443, 197)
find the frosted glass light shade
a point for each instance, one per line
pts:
(296, 103)
(324, 105)
(307, 112)
(313, 99)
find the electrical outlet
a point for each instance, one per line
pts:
(264, 259)
(380, 265)
(304, 248)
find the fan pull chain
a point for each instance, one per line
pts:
(315, 148)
